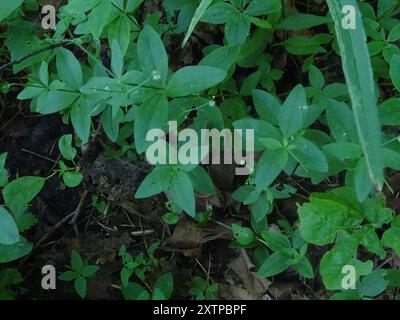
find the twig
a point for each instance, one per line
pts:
(77, 211)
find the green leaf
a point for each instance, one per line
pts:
(237, 30)
(222, 58)
(155, 182)
(304, 268)
(69, 68)
(201, 181)
(72, 179)
(54, 101)
(134, 291)
(76, 261)
(182, 192)
(333, 261)
(66, 148)
(8, 229)
(308, 155)
(361, 85)
(3, 170)
(262, 7)
(391, 237)
(316, 77)
(117, 59)
(194, 79)
(269, 167)
(98, 18)
(244, 236)
(152, 114)
(274, 264)
(343, 150)
(68, 276)
(7, 7)
(394, 34)
(151, 53)
(80, 286)
(292, 113)
(14, 251)
(389, 112)
(276, 241)
(362, 182)
(201, 9)
(299, 21)
(18, 193)
(220, 13)
(163, 287)
(320, 220)
(391, 158)
(89, 271)
(81, 120)
(373, 284)
(395, 71)
(267, 106)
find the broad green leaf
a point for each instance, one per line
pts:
(308, 155)
(155, 182)
(391, 158)
(220, 13)
(66, 148)
(194, 79)
(373, 284)
(395, 71)
(81, 119)
(7, 7)
(391, 237)
(182, 192)
(243, 235)
(117, 59)
(54, 101)
(14, 251)
(269, 167)
(134, 291)
(80, 286)
(151, 53)
(152, 114)
(274, 264)
(361, 85)
(292, 113)
(3, 170)
(267, 106)
(201, 9)
(304, 268)
(262, 7)
(276, 241)
(237, 30)
(362, 183)
(18, 193)
(389, 112)
(72, 179)
(98, 18)
(69, 68)
(299, 21)
(201, 181)
(163, 287)
(8, 229)
(222, 58)
(320, 220)
(342, 254)
(343, 150)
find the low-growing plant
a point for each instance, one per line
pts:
(80, 271)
